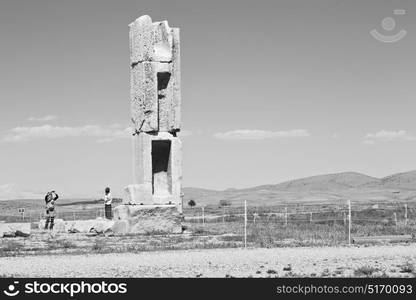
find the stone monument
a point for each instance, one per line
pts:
(155, 195)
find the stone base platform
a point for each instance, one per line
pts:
(147, 219)
(141, 194)
(98, 225)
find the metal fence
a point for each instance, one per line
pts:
(299, 223)
(341, 223)
(33, 216)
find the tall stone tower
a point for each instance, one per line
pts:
(155, 110)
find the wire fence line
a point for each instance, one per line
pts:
(37, 215)
(309, 215)
(351, 218)
(254, 213)
(339, 222)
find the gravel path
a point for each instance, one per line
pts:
(326, 261)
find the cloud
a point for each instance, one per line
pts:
(104, 133)
(369, 142)
(254, 134)
(388, 136)
(43, 119)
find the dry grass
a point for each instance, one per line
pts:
(8, 247)
(327, 228)
(365, 271)
(207, 236)
(55, 244)
(408, 267)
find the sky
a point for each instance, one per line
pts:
(271, 91)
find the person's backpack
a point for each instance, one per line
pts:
(50, 199)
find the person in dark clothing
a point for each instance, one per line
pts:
(50, 200)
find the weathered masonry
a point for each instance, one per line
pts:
(155, 111)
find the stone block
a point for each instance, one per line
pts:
(175, 121)
(162, 42)
(98, 225)
(102, 225)
(6, 230)
(20, 227)
(155, 76)
(141, 40)
(138, 194)
(14, 229)
(147, 219)
(120, 227)
(157, 170)
(150, 41)
(165, 85)
(143, 94)
(83, 226)
(155, 96)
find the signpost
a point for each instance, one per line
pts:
(22, 212)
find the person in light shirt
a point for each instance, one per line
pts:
(107, 203)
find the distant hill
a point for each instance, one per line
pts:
(405, 180)
(346, 180)
(330, 188)
(322, 188)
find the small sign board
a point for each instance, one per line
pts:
(21, 210)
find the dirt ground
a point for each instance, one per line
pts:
(376, 261)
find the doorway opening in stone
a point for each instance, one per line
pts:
(161, 168)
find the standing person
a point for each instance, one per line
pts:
(107, 203)
(50, 200)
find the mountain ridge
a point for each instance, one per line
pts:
(324, 187)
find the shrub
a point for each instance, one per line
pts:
(408, 268)
(366, 271)
(225, 202)
(191, 203)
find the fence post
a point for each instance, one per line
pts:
(349, 222)
(310, 218)
(203, 216)
(245, 223)
(286, 216)
(395, 218)
(405, 214)
(223, 215)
